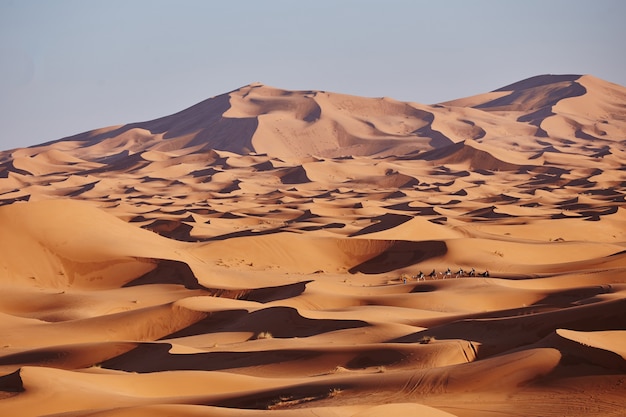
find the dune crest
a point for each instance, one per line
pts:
(269, 252)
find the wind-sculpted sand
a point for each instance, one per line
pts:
(269, 253)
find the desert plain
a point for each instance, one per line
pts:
(271, 253)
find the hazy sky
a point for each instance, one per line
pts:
(68, 66)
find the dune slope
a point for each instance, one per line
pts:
(306, 253)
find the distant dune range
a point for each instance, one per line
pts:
(259, 254)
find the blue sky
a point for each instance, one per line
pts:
(68, 66)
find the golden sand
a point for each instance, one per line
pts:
(259, 254)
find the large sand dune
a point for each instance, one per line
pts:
(259, 254)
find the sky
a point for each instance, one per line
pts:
(69, 66)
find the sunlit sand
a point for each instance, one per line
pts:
(269, 253)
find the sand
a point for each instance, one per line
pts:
(269, 253)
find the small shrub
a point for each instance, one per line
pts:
(334, 392)
(264, 335)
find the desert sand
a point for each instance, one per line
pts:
(259, 254)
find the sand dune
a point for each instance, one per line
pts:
(269, 252)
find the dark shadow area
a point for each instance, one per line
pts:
(233, 186)
(168, 272)
(172, 229)
(5, 202)
(306, 215)
(155, 357)
(582, 135)
(538, 81)
(294, 175)
(242, 233)
(82, 189)
(9, 167)
(269, 294)
(499, 335)
(442, 152)
(120, 162)
(264, 166)
(401, 254)
(569, 297)
(462, 152)
(206, 172)
(384, 222)
(423, 288)
(488, 213)
(205, 119)
(279, 322)
(322, 227)
(500, 198)
(399, 194)
(419, 211)
(12, 382)
(594, 215)
(34, 357)
(377, 357)
(215, 322)
(581, 182)
(563, 86)
(535, 118)
(437, 139)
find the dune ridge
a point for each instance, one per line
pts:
(281, 253)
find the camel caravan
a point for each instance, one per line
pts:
(443, 274)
